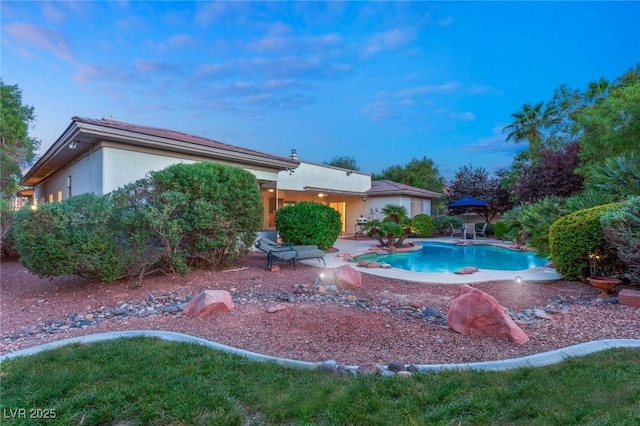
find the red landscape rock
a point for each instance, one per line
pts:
(348, 277)
(475, 313)
(629, 297)
(467, 270)
(209, 302)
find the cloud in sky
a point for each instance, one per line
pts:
(35, 38)
(371, 80)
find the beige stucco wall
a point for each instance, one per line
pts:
(378, 203)
(86, 176)
(319, 176)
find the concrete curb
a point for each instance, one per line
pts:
(538, 360)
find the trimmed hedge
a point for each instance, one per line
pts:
(573, 237)
(309, 223)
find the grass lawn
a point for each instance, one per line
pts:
(145, 381)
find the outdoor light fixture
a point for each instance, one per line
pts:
(73, 145)
(519, 279)
(322, 195)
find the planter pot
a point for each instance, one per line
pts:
(604, 284)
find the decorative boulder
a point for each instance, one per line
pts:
(475, 313)
(348, 277)
(629, 297)
(467, 270)
(209, 302)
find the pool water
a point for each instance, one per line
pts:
(443, 257)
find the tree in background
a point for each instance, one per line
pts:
(528, 124)
(610, 126)
(553, 175)
(477, 183)
(17, 148)
(344, 162)
(419, 173)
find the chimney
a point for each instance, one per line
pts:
(294, 154)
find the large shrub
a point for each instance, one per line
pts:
(199, 215)
(576, 236)
(7, 214)
(510, 226)
(423, 225)
(538, 218)
(621, 229)
(443, 226)
(204, 214)
(309, 223)
(77, 236)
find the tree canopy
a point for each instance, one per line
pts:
(600, 122)
(17, 148)
(344, 162)
(419, 173)
(553, 175)
(477, 183)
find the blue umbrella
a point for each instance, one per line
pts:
(467, 201)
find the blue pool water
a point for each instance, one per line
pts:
(443, 257)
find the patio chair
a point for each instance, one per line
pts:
(455, 230)
(469, 228)
(483, 231)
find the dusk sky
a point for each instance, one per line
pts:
(382, 82)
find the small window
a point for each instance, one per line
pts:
(59, 196)
(416, 207)
(51, 198)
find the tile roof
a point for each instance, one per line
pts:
(174, 135)
(388, 187)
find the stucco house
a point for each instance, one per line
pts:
(101, 155)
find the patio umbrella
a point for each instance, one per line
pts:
(466, 202)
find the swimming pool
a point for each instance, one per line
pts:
(443, 257)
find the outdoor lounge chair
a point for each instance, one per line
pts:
(272, 243)
(288, 253)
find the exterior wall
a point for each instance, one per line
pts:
(319, 176)
(86, 176)
(122, 167)
(376, 205)
(125, 166)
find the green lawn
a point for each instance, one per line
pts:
(147, 381)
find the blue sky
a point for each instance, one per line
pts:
(381, 82)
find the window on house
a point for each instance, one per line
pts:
(59, 196)
(416, 207)
(51, 198)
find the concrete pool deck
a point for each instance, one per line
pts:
(356, 247)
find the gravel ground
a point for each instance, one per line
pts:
(385, 320)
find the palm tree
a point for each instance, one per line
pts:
(395, 213)
(527, 126)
